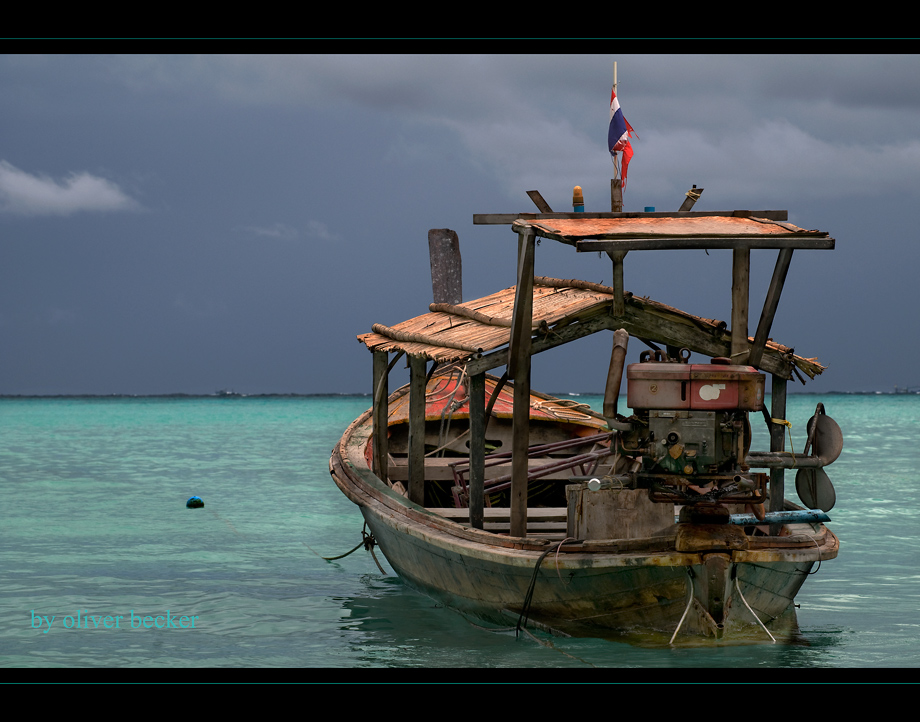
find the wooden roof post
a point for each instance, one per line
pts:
(619, 304)
(741, 280)
(519, 370)
(380, 414)
(417, 378)
(477, 448)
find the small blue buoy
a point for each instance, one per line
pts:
(195, 503)
(650, 209)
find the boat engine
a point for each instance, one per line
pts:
(695, 432)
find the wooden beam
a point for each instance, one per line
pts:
(519, 370)
(769, 307)
(506, 219)
(692, 197)
(741, 281)
(417, 378)
(380, 413)
(541, 204)
(686, 243)
(640, 322)
(477, 448)
(522, 314)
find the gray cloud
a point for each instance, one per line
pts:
(30, 194)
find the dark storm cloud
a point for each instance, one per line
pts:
(286, 202)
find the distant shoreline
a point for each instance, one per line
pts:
(235, 395)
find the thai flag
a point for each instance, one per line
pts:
(619, 133)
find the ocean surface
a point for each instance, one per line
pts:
(97, 547)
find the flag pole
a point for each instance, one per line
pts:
(616, 170)
(616, 192)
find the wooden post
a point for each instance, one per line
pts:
(777, 442)
(477, 448)
(417, 377)
(619, 303)
(741, 279)
(769, 305)
(446, 269)
(616, 196)
(380, 414)
(519, 370)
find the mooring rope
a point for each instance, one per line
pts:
(562, 408)
(818, 547)
(689, 602)
(367, 541)
(525, 610)
(738, 587)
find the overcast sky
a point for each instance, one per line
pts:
(195, 223)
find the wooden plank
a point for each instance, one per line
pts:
(509, 218)
(769, 307)
(741, 281)
(477, 449)
(519, 370)
(704, 243)
(541, 204)
(417, 374)
(446, 266)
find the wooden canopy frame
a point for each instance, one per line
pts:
(478, 338)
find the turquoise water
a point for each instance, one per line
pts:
(93, 521)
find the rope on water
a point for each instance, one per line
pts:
(367, 541)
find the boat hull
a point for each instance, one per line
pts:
(616, 589)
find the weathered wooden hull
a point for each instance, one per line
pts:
(644, 589)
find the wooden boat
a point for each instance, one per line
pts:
(513, 505)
